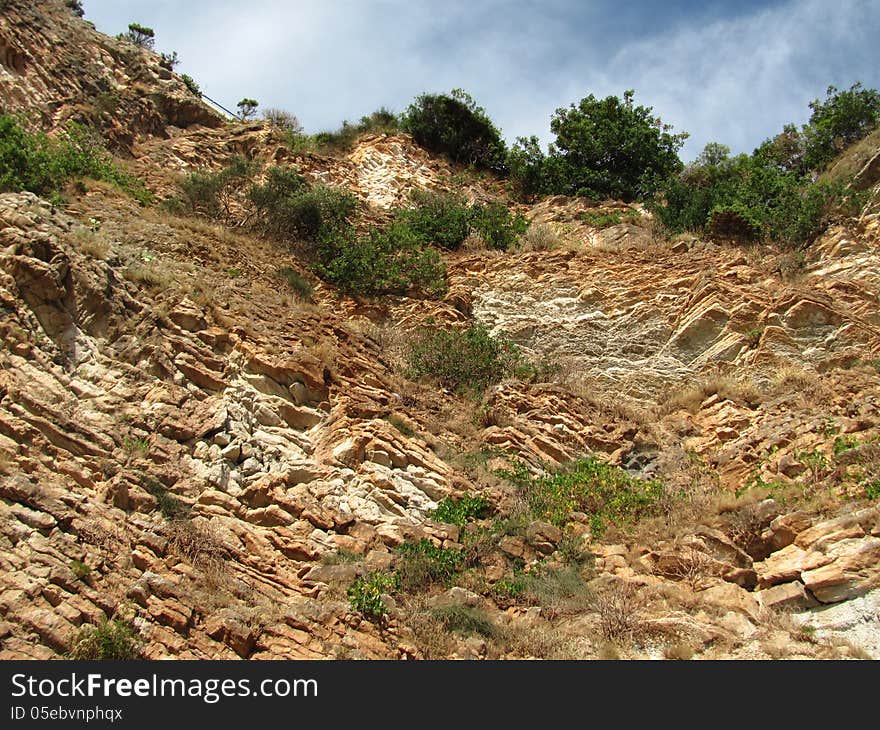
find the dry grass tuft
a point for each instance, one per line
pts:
(540, 237)
(691, 397)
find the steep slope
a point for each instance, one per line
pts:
(186, 443)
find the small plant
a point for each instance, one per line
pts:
(136, 446)
(191, 84)
(170, 507)
(462, 511)
(753, 337)
(844, 443)
(872, 489)
(816, 463)
(401, 426)
(365, 594)
(75, 7)
(109, 640)
(247, 109)
(423, 563)
(298, 284)
(80, 569)
(466, 621)
(463, 360)
(601, 219)
(606, 493)
(169, 60)
(141, 35)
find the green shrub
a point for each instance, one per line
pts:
(441, 219)
(170, 507)
(75, 7)
(381, 121)
(460, 512)
(191, 84)
(300, 286)
(733, 221)
(606, 493)
(872, 489)
(365, 593)
(109, 640)
(845, 443)
(453, 125)
(462, 360)
(601, 220)
(286, 206)
(43, 164)
(497, 226)
(423, 563)
(211, 194)
(390, 260)
(80, 569)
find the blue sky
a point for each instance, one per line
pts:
(732, 72)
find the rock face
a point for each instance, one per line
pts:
(181, 439)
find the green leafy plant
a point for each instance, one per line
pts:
(462, 360)
(844, 443)
(76, 7)
(80, 569)
(872, 489)
(211, 194)
(115, 639)
(606, 493)
(441, 219)
(423, 563)
(842, 118)
(460, 512)
(497, 226)
(42, 164)
(365, 593)
(191, 84)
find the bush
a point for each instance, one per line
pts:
(733, 221)
(300, 286)
(466, 621)
(342, 140)
(191, 84)
(606, 493)
(462, 360)
(423, 563)
(497, 227)
(109, 640)
(442, 219)
(462, 511)
(390, 260)
(365, 594)
(287, 207)
(453, 125)
(210, 194)
(75, 7)
(285, 121)
(43, 164)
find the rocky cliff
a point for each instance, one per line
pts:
(188, 446)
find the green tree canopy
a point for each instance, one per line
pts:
(453, 125)
(611, 148)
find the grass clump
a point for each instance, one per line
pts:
(80, 569)
(109, 640)
(423, 563)
(170, 507)
(298, 284)
(463, 360)
(466, 621)
(42, 164)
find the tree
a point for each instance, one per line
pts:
(612, 148)
(169, 60)
(453, 125)
(843, 118)
(140, 35)
(247, 108)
